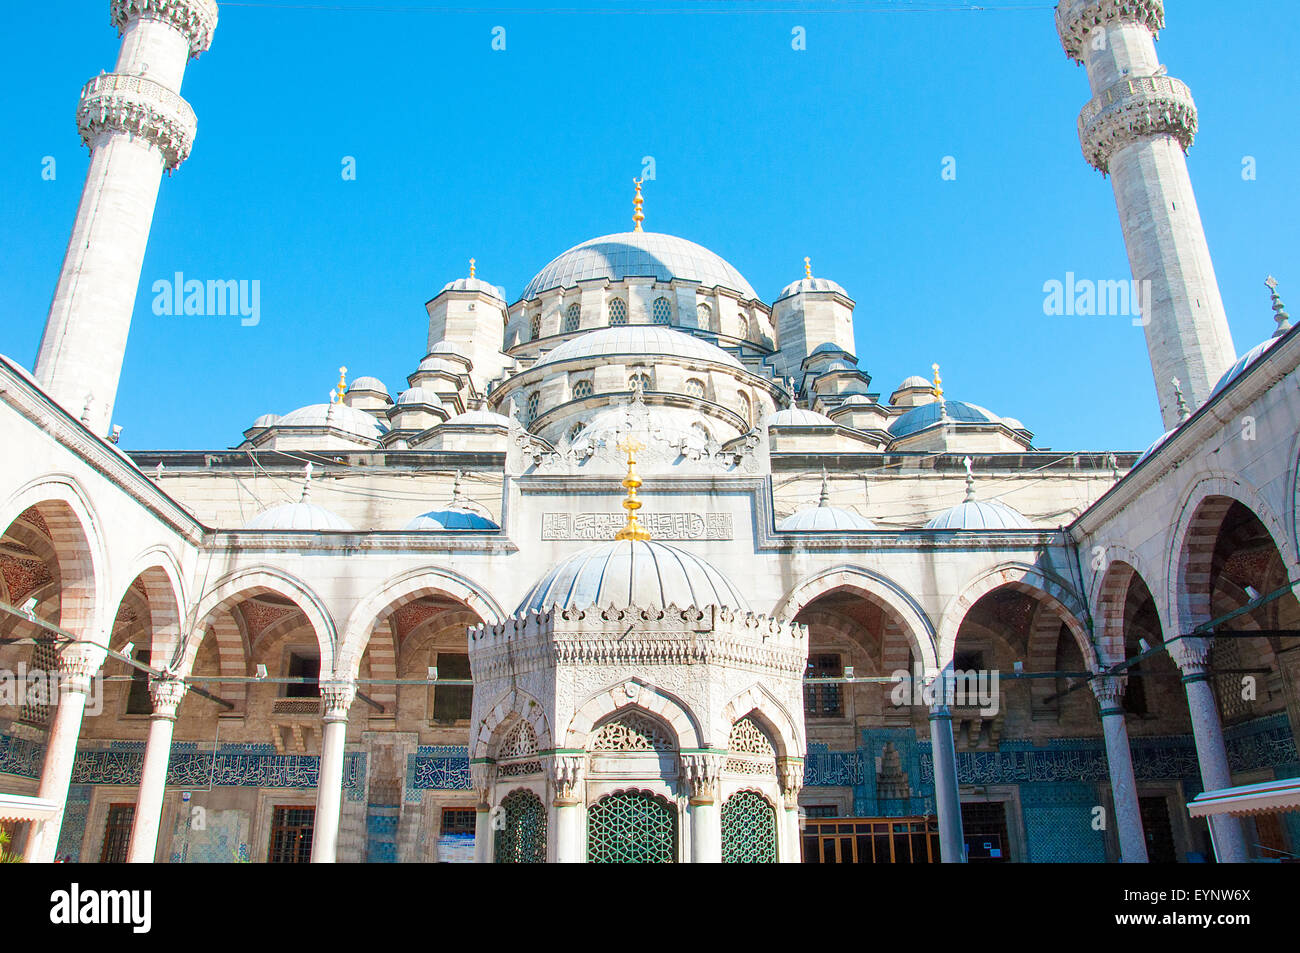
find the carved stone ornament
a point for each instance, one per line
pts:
(566, 772)
(336, 698)
(1076, 20)
(1136, 108)
(167, 694)
(701, 772)
(1192, 656)
(196, 19)
(790, 771)
(140, 107)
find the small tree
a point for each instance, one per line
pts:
(6, 855)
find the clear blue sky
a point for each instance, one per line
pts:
(763, 154)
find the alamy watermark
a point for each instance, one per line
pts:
(1087, 298)
(211, 298)
(976, 688)
(38, 687)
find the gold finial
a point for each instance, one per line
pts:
(343, 385)
(937, 390)
(807, 266)
(632, 530)
(471, 267)
(637, 215)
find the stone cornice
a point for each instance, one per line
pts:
(1077, 19)
(197, 19)
(1133, 109)
(137, 106)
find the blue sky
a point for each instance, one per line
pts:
(763, 154)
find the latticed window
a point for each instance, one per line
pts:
(662, 311)
(744, 408)
(576, 431)
(521, 834)
(703, 315)
(632, 732)
(581, 389)
(825, 700)
(530, 407)
(535, 327)
(573, 318)
(617, 312)
(748, 829)
(117, 833)
(458, 820)
(694, 387)
(639, 382)
(291, 833)
(743, 327)
(452, 703)
(632, 827)
(749, 750)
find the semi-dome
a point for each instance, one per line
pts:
(638, 255)
(979, 514)
(368, 383)
(918, 418)
(452, 517)
(798, 417)
(823, 519)
(266, 420)
(811, 284)
(630, 572)
(298, 516)
(476, 284)
(640, 339)
(337, 416)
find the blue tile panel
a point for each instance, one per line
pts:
(437, 768)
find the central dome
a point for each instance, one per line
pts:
(638, 339)
(638, 255)
(630, 572)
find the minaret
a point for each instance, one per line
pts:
(136, 125)
(1137, 129)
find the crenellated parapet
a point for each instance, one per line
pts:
(1076, 20)
(1135, 109)
(139, 107)
(196, 19)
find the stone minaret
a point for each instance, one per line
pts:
(1137, 129)
(136, 126)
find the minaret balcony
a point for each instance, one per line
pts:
(1135, 108)
(137, 106)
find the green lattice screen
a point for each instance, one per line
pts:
(748, 830)
(632, 828)
(522, 839)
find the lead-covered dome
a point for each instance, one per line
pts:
(799, 417)
(918, 418)
(338, 416)
(298, 516)
(638, 339)
(979, 514)
(633, 573)
(638, 255)
(824, 519)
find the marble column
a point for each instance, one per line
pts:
(336, 699)
(702, 772)
(167, 694)
(789, 850)
(1119, 759)
(79, 662)
(566, 772)
(1192, 656)
(947, 799)
(480, 779)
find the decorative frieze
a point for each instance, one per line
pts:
(1133, 109)
(140, 107)
(1076, 20)
(196, 19)
(661, 526)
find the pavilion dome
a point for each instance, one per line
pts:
(419, 395)
(823, 519)
(925, 415)
(799, 417)
(916, 380)
(638, 255)
(476, 284)
(629, 572)
(368, 383)
(298, 516)
(638, 339)
(338, 416)
(478, 418)
(1243, 364)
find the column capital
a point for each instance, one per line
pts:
(336, 698)
(790, 773)
(79, 662)
(1192, 656)
(481, 776)
(167, 693)
(701, 771)
(1109, 690)
(1077, 19)
(566, 774)
(195, 19)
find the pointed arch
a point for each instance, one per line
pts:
(635, 694)
(512, 706)
(782, 726)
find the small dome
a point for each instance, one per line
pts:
(979, 514)
(918, 418)
(916, 380)
(297, 516)
(337, 416)
(638, 255)
(1160, 442)
(798, 417)
(1243, 362)
(478, 418)
(266, 420)
(476, 284)
(1013, 424)
(452, 517)
(804, 285)
(641, 340)
(419, 395)
(368, 383)
(633, 573)
(823, 519)
(857, 400)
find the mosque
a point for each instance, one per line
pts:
(638, 567)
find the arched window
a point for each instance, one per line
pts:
(576, 431)
(745, 408)
(702, 430)
(703, 316)
(639, 382)
(573, 318)
(743, 326)
(748, 829)
(694, 387)
(617, 312)
(535, 327)
(662, 311)
(530, 408)
(632, 827)
(581, 389)
(521, 839)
